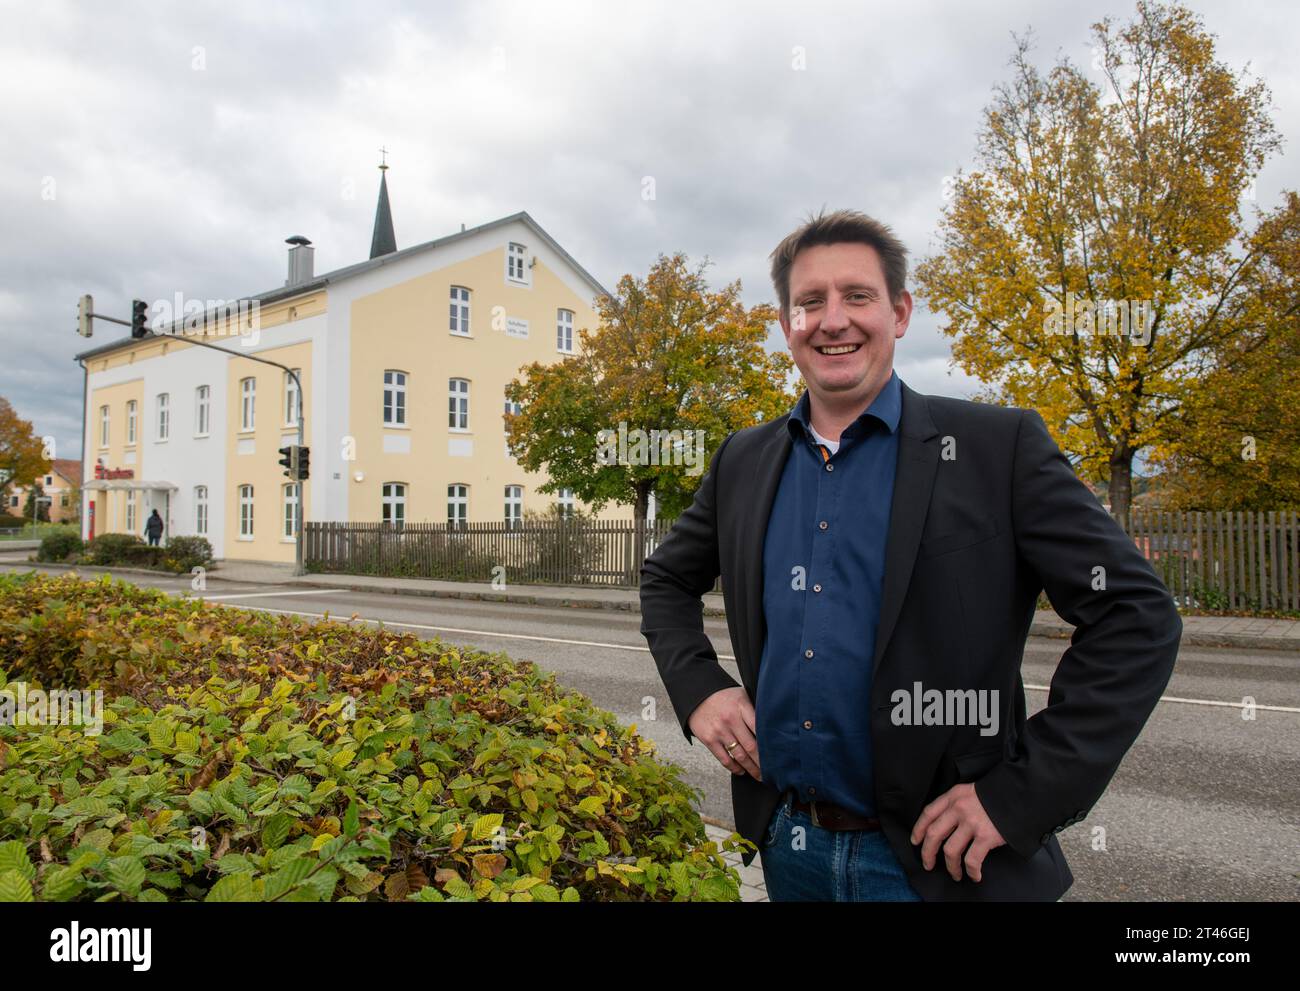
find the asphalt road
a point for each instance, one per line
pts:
(1205, 807)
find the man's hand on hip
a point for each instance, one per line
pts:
(958, 817)
(724, 722)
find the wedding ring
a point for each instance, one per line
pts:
(733, 743)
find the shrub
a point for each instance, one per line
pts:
(10, 522)
(248, 757)
(112, 548)
(60, 546)
(183, 554)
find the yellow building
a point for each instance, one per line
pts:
(403, 361)
(59, 486)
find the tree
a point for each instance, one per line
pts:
(1236, 441)
(670, 357)
(40, 512)
(1095, 264)
(22, 453)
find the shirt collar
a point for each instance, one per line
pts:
(886, 408)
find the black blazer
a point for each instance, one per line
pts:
(986, 513)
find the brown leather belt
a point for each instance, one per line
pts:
(828, 815)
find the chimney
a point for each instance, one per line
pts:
(301, 255)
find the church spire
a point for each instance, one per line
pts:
(383, 242)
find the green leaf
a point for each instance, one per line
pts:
(126, 874)
(234, 888)
(13, 857)
(486, 825)
(15, 888)
(351, 820)
(276, 830)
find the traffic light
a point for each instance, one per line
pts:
(139, 317)
(85, 306)
(288, 461)
(303, 454)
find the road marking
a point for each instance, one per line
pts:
(478, 633)
(265, 595)
(1175, 698)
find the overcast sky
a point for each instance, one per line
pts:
(157, 148)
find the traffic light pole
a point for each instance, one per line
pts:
(298, 568)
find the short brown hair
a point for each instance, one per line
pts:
(842, 226)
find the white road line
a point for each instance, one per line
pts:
(478, 633)
(265, 595)
(1175, 698)
(646, 650)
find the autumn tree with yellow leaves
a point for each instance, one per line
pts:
(22, 453)
(1096, 264)
(669, 355)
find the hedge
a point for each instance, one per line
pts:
(250, 757)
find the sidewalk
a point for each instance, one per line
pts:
(1198, 631)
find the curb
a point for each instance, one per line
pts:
(1038, 629)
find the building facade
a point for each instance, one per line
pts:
(60, 485)
(403, 362)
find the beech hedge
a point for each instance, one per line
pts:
(250, 757)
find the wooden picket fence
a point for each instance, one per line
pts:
(1240, 561)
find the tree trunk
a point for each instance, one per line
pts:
(642, 506)
(1121, 483)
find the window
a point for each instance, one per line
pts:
(164, 415)
(395, 398)
(290, 515)
(201, 395)
(130, 422)
(201, 508)
(245, 512)
(394, 504)
(247, 400)
(458, 404)
(566, 503)
(514, 506)
(103, 426)
(49, 479)
(564, 331)
(292, 401)
(13, 501)
(460, 311)
(130, 511)
(515, 268)
(457, 505)
(64, 501)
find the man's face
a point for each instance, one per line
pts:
(842, 326)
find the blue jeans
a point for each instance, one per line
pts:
(807, 863)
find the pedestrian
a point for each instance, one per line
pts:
(153, 528)
(881, 554)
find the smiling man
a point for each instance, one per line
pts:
(877, 545)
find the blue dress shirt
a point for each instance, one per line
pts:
(823, 569)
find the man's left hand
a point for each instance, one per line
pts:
(958, 818)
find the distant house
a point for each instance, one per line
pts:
(61, 486)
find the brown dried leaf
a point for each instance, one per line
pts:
(489, 864)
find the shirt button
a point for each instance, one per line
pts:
(812, 791)
(817, 588)
(822, 525)
(829, 466)
(808, 653)
(807, 724)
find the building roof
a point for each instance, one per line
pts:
(68, 468)
(350, 271)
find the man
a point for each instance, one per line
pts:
(153, 528)
(881, 555)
